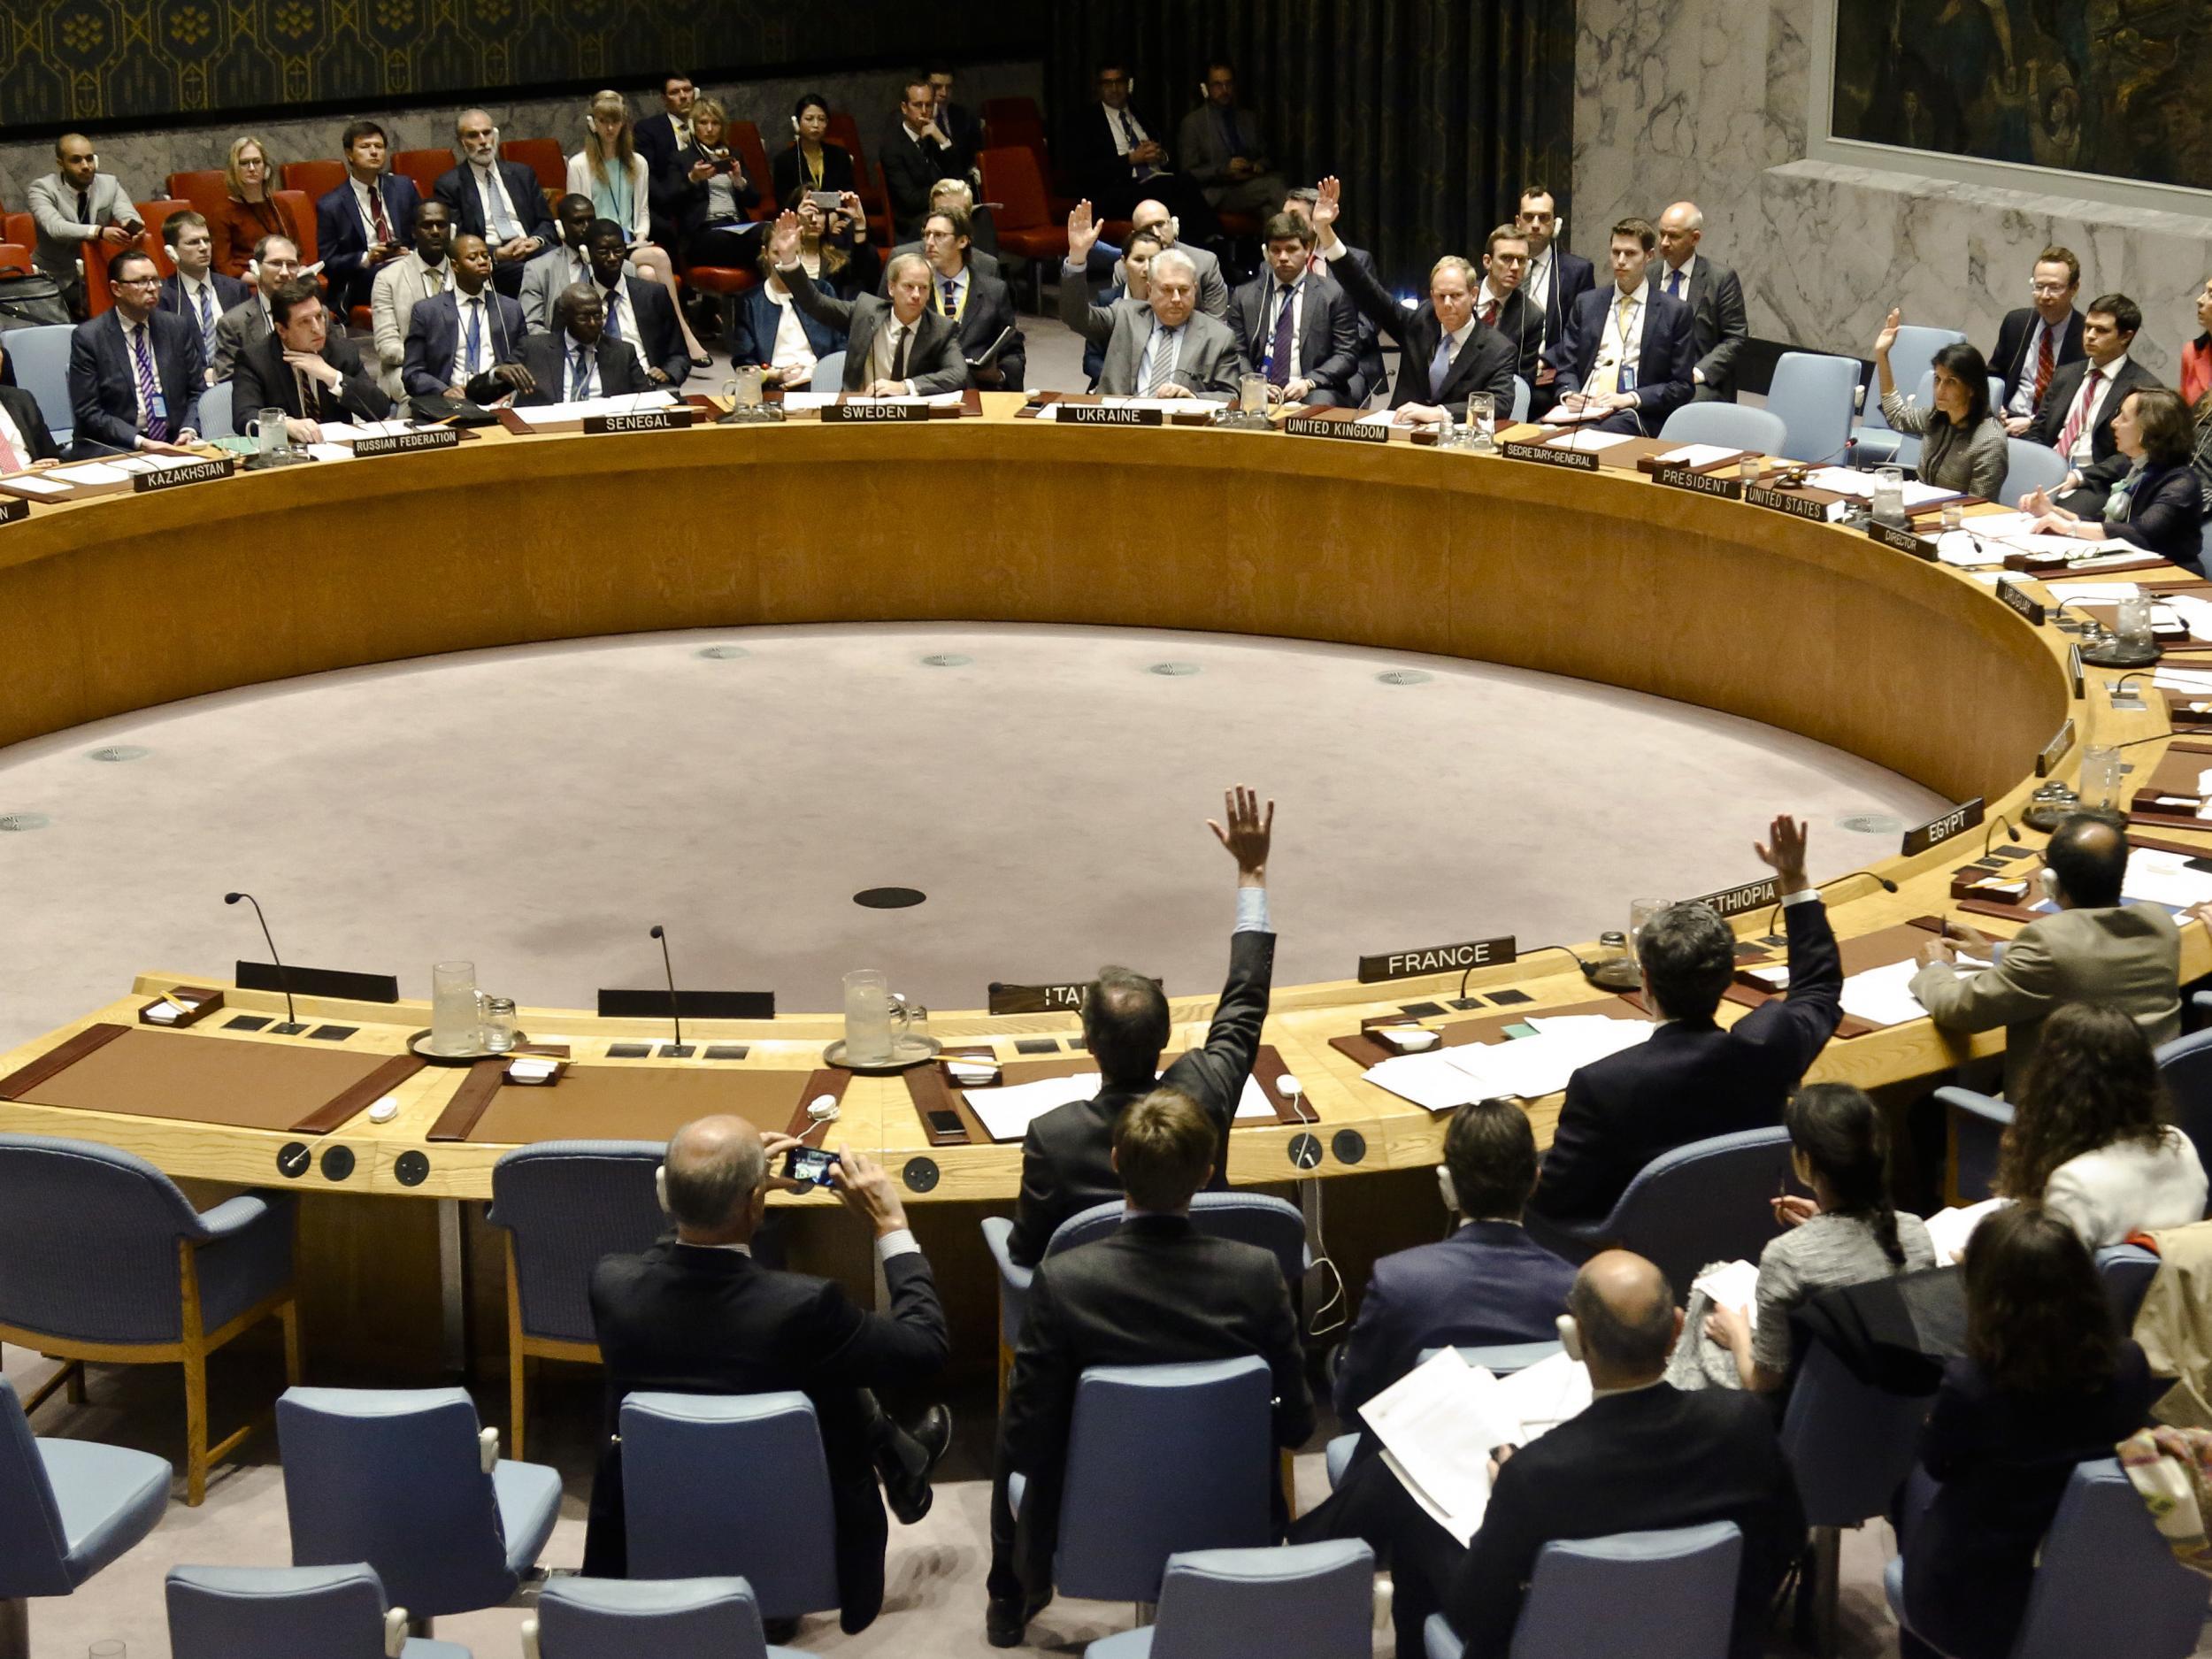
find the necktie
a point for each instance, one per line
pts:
(1129, 132)
(10, 457)
(2079, 417)
(1440, 365)
(207, 321)
(1605, 380)
(376, 213)
(434, 279)
(304, 390)
(1162, 354)
(84, 207)
(952, 297)
(476, 335)
(2045, 361)
(900, 338)
(1674, 285)
(580, 374)
(156, 419)
(1279, 348)
(1490, 315)
(503, 226)
(614, 314)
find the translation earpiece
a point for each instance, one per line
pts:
(1446, 1190)
(1571, 1337)
(660, 1187)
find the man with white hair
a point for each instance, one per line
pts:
(500, 201)
(1713, 294)
(1172, 350)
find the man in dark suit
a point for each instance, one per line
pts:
(1225, 148)
(26, 441)
(916, 154)
(134, 372)
(455, 336)
(1067, 1156)
(365, 221)
(500, 201)
(1692, 1080)
(1294, 324)
(640, 314)
(1116, 162)
(1627, 327)
(697, 1314)
(1557, 278)
(894, 348)
(1157, 1292)
(197, 292)
(1642, 1456)
(2076, 416)
(575, 362)
(307, 369)
(1502, 302)
(963, 131)
(1369, 378)
(1444, 352)
(980, 306)
(1487, 1284)
(2037, 340)
(1712, 293)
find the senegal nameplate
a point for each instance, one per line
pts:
(1406, 964)
(1901, 540)
(1544, 455)
(1731, 902)
(1784, 501)
(833, 412)
(192, 473)
(408, 442)
(642, 420)
(1699, 483)
(13, 510)
(1316, 426)
(2017, 597)
(1936, 831)
(1107, 414)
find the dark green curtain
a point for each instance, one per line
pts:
(1433, 112)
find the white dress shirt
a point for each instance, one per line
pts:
(883, 352)
(368, 215)
(1114, 118)
(464, 367)
(1621, 344)
(2085, 450)
(1538, 282)
(899, 1241)
(792, 351)
(16, 441)
(2022, 404)
(959, 280)
(491, 190)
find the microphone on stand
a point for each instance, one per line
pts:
(678, 1049)
(2011, 834)
(291, 1026)
(1774, 915)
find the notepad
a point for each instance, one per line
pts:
(1948, 1230)
(90, 472)
(1589, 442)
(2164, 878)
(1008, 1111)
(1735, 1286)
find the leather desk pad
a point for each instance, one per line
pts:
(646, 1103)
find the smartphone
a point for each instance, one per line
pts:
(827, 200)
(812, 1167)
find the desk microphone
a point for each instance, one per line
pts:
(1590, 969)
(1774, 915)
(291, 1026)
(675, 1008)
(2011, 834)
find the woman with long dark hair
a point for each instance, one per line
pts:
(1962, 444)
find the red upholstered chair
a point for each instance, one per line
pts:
(316, 179)
(98, 296)
(542, 156)
(752, 155)
(868, 183)
(426, 167)
(1012, 178)
(156, 215)
(19, 228)
(299, 210)
(1022, 109)
(208, 189)
(15, 258)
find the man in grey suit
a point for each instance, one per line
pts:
(1225, 149)
(894, 348)
(560, 267)
(402, 284)
(75, 204)
(1166, 348)
(276, 261)
(1713, 294)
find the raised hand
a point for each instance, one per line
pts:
(1887, 338)
(786, 226)
(1331, 202)
(1082, 233)
(1249, 831)
(1785, 853)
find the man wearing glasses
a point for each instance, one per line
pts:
(1118, 163)
(134, 372)
(276, 261)
(2037, 340)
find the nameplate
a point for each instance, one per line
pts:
(1309, 427)
(2073, 667)
(1902, 541)
(1936, 831)
(2055, 750)
(1731, 902)
(834, 412)
(1405, 964)
(1107, 414)
(2017, 597)
(1544, 455)
(640, 420)
(1699, 483)
(1037, 999)
(14, 508)
(407, 442)
(196, 473)
(1783, 501)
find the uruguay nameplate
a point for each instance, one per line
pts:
(1731, 902)
(13, 510)
(834, 412)
(408, 442)
(1405, 964)
(1699, 483)
(2017, 597)
(191, 473)
(2055, 750)
(1901, 540)
(642, 420)
(1784, 501)
(1544, 455)
(1109, 415)
(1316, 426)
(1936, 831)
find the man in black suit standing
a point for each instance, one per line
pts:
(1713, 294)
(1116, 162)
(1294, 324)
(500, 201)
(1444, 352)
(134, 372)
(304, 367)
(1067, 1156)
(978, 305)
(197, 292)
(1157, 1292)
(2076, 416)
(894, 348)
(697, 1314)
(2037, 340)
(1369, 378)
(640, 314)
(1626, 361)
(1693, 1079)
(1557, 278)
(916, 153)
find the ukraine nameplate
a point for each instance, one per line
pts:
(192, 473)
(1312, 426)
(1699, 483)
(641, 420)
(1107, 414)
(408, 442)
(1544, 455)
(1406, 964)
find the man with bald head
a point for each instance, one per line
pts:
(1642, 1456)
(697, 1314)
(1713, 294)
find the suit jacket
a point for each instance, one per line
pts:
(1370, 378)
(400, 285)
(242, 326)
(1644, 1461)
(2127, 956)
(837, 172)
(1104, 267)
(265, 380)
(1521, 325)
(2058, 402)
(683, 1319)
(1206, 361)
(687, 205)
(1572, 276)
(1156, 1292)
(1485, 363)
(547, 272)
(1717, 323)
(1203, 149)
(759, 317)
(61, 233)
(1067, 1156)
(434, 334)
(981, 262)
(546, 356)
(1692, 1080)
(103, 384)
(657, 333)
(457, 188)
(963, 129)
(2167, 515)
(23, 410)
(342, 241)
(910, 169)
(1328, 333)
(657, 145)
(2010, 361)
(1488, 1283)
(1663, 366)
(933, 363)
(229, 291)
(989, 313)
(1098, 170)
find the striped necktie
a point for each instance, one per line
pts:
(207, 322)
(2079, 418)
(1160, 360)
(580, 373)
(148, 389)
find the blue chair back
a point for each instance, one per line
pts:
(1521, 396)
(1274, 1224)
(276, 1612)
(88, 1240)
(392, 1477)
(2107, 1583)
(2032, 467)
(730, 1485)
(1202, 1483)
(1851, 1444)
(1658, 1595)
(2185, 1065)
(215, 417)
(33, 1544)
(1316, 1601)
(1915, 347)
(40, 357)
(829, 373)
(566, 1204)
(2127, 1269)
(1813, 395)
(1739, 425)
(1500, 1359)
(1909, 447)
(648, 1618)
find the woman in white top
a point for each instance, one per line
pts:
(2089, 1133)
(609, 170)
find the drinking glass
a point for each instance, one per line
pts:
(1953, 515)
(744, 386)
(1889, 495)
(456, 1009)
(269, 434)
(1639, 912)
(1252, 394)
(875, 1018)
(499, 1023)
(110, 1649)
(2133, 628)
(1482, 420)
(1750, 468)
(2101, 775)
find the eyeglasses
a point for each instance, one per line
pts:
(134, 282)
(2048, 290)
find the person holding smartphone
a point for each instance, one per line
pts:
(714, 203)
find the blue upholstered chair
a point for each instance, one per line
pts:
(1521, 398)
(2127, 1270)
(829, 373)
(2032, 467)
(1738, 426)
(102, 1257)
(215, 411)
(565, 1204)
(1499, 1360)
(1657, 1595)
(40, 357)
(289, 1613)
(648, 1618)
(67, 1508)
(1704, 1203)
(724, 1485)
(1313, 1601)
(1208, 1436)
(2106, 1584)
(1908, 359)
(1813, 395)
(405, 1479)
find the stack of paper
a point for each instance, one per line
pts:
(2164, 878)
(1842, 481)
(1948, 1230)
(1545, 1395)
(1735, 1287)
(1527, 1068)
(1008, 1110)
(1700, 454)
(585, 409)
(1883, 996)
(340, 431)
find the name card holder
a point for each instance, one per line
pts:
(1936, 831)
(1734, 901)
(2017, 597)
(1406, 964)
(1544, 455)
(1036, 998)
(408, 442)
(835, 413)
(13, 510)
(1786, 500)
(173, 477)
(675, 419)
(1901, 540)
(1334, 427)
(196, 1001)
(2055, 750)
(1698, 483)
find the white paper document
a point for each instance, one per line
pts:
(90, 472)
(1881, 996)
(1008, 1110)
(1377, 418)
(35, 484)
(1524, 1067)
(1439, 1425)
(1735, 1286)
(2181, 679)
(1970, 552)
(1699, 455)
(1948, 1230)
(2164, 878)
(1595, 442)
(584, 408)
(2100, 592)
(1545, 1395)
(1860, 486)
(1430, 1080)
(2195, 614)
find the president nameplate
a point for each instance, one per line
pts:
(1544, 455)
(1699, 483)
(1406, 964)
(1734, 902)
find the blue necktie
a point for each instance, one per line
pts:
(1440, 365)
(148, 389)
(1674, 285)
(580, 382)
(503, 226)
(614, 315)
(476, 335)
(1279, 348)
(1129, 132)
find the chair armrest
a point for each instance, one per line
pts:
(233, 1216)
(998, 1233)
(1983, 1106)
(1441, 1641)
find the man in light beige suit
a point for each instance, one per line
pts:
(2095, 950)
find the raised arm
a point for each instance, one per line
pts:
(824, 308)
(1365, 292)
(1095, 323)
(1214, 1074)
